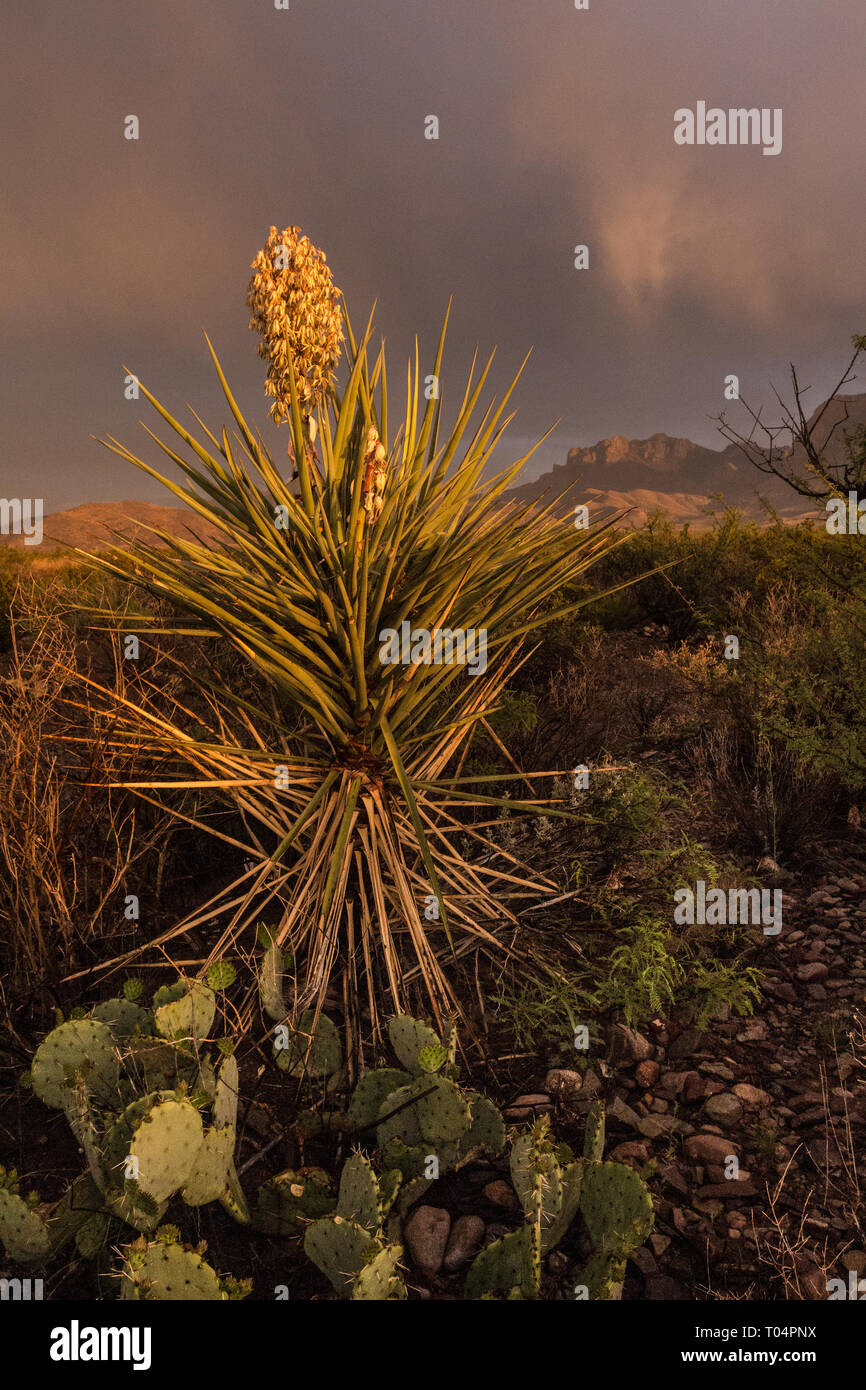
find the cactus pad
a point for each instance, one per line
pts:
(405, 1124)
(187, 1016)
(443, 1114)
(340, 1249)
(378, 1280)
(167, 1144)
(92, 1234)
(616, 1206)
(504, 1264)
(486, 1130)
(408, 1038)
(81, 1045)
(314, 1047)
(359, 1194)
(23, 1232)
(210, 1174)
(371, 1090)
(291, 1198)
(225, 1104)
(160, 1271)
(593, 1138)
(271, 983)
(123, 1017)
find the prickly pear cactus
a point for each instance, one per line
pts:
(431, 1110)
(82, 1046)
(503, 1265)
(486, 1132)
(372, 1089)
(92, 1234)
(410, 1039)
(164, 1269)
(552, 1187)
(187, 1015)
(214, 1172)
(23, 1232)
(125, 1094)
(271, 982)
(378, 1280)
(593, 1136)
(314, 1048)
(616, 1205)
(292, 1198)
(352, 1259)
(123, 1017)
(359, 1199)
(340, 1249)
(165, 1147)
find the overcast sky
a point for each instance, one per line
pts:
(556, 129)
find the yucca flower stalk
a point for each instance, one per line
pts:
(353, 797)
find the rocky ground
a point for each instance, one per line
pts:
(782, 1093)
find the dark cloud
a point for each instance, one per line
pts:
(556, 127)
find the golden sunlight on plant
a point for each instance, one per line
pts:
(296, 310)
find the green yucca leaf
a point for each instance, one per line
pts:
(371, 748)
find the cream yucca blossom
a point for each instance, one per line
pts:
(295, 308)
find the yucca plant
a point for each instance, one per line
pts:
(352, 796)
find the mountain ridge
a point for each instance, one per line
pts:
(662, 472)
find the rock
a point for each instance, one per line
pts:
(659, 1243)
(812, 971)
(618, 1110)
(654, 1126)
(647, 1073)
(626, 1042)
(426, 1234)
(502, 1194)
(724, 1108)
(632, 1151)
(557, 1262)
(661, 1288)
(688, 1042)
(754, 1031)
(528, 1107)
(591, 1085)
(734, 1188)
(854, 1259)
(694, 1086)
(812, 1281)
(675, 1177)
(709, 1148)
(751, 1095)
(465, 1240)
(719, 1069)
(564, 1086)
(644, 1260)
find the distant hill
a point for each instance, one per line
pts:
(90, 527)
(662, 472)
(679, 476)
